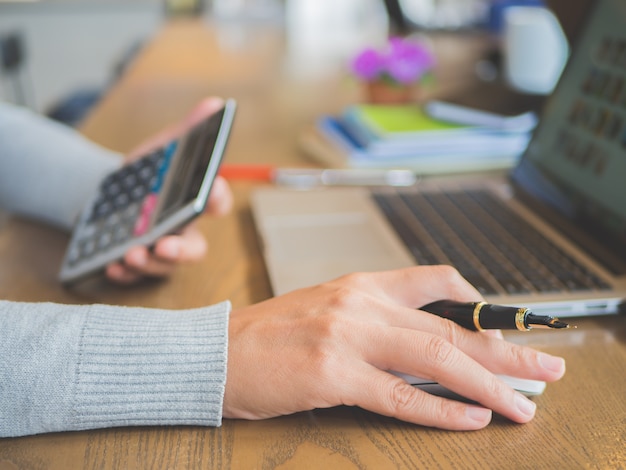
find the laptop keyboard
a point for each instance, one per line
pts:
(490, 245)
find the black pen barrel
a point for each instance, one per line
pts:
(460, 313)
(500, 317)
(478, 316)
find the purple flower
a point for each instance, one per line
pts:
(368, 64)
(407, 61)
(404, 62)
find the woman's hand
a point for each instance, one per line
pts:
(188, 245)
(333, 344)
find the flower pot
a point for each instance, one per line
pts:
(381, 92)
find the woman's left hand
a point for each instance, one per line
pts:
(189, 244)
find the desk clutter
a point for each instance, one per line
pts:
(410, 136)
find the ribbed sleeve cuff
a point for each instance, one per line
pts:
(144, 367)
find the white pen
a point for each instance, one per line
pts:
(308, 177)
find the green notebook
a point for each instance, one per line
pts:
(375, 122)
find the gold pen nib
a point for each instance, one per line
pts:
(556, 323)
(545, 321)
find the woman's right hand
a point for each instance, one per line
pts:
(333, 344)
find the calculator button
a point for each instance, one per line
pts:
(121, 200)
(130, 181)
(73, 255)
(88, 248)
(112, 189)
(121, 233)
(101, 209)
(112, 220)
(88, 231)
(104, 240)
(145, 216)
(146, 173)
(131, 211)
(138, 192)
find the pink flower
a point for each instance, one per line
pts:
(403, 61)
(368, 64)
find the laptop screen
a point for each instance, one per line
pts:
(576, 161)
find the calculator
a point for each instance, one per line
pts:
(151, 197)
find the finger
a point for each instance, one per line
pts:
(220, 198)
(190, 245)
(121, 274)
(169, 251)
(433, 357)
(139, 259)
(490, 350)
(503, 357)
(386, 394)
(494, 333)
(493, 352)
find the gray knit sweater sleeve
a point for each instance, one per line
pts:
(68, 367)
(47, 170)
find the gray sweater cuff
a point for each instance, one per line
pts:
(85, 367)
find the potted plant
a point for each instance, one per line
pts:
(391, 74)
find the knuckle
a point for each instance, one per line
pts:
(402, 397)
(439, 351)
(354, 280)
(445, 411)
(323, 362)
(406, 401)
(493, 388)
(323, 345)
(451, 332)
(329, 333)
(517, 355)
(453, 280)
(344, 294)
(330, 325)
(449, 274)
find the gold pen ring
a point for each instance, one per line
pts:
(476, 315)
(520, 316)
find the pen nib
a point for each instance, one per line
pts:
(556, 323)
(545, 321)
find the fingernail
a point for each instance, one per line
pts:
(551, 363)
(524, 405)
(478, 414)
(171, 249)
(115, 271)
(137, 258)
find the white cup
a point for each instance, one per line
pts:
(535, 49)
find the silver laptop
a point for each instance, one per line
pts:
(551, 235)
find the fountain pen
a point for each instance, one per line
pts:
(479, 316)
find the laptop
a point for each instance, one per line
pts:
(550, 235)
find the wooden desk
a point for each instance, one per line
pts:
(581, 420)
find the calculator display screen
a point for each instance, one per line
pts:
(191, 164)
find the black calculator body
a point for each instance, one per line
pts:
(149, 198)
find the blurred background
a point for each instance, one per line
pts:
(59, 56)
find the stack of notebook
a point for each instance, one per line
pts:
(407, 136)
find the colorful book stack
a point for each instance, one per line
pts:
(405, 136)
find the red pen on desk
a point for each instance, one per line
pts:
(308, 177)
(247, 172)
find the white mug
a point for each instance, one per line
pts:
(535, 49)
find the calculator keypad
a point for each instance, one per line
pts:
(125, 205)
